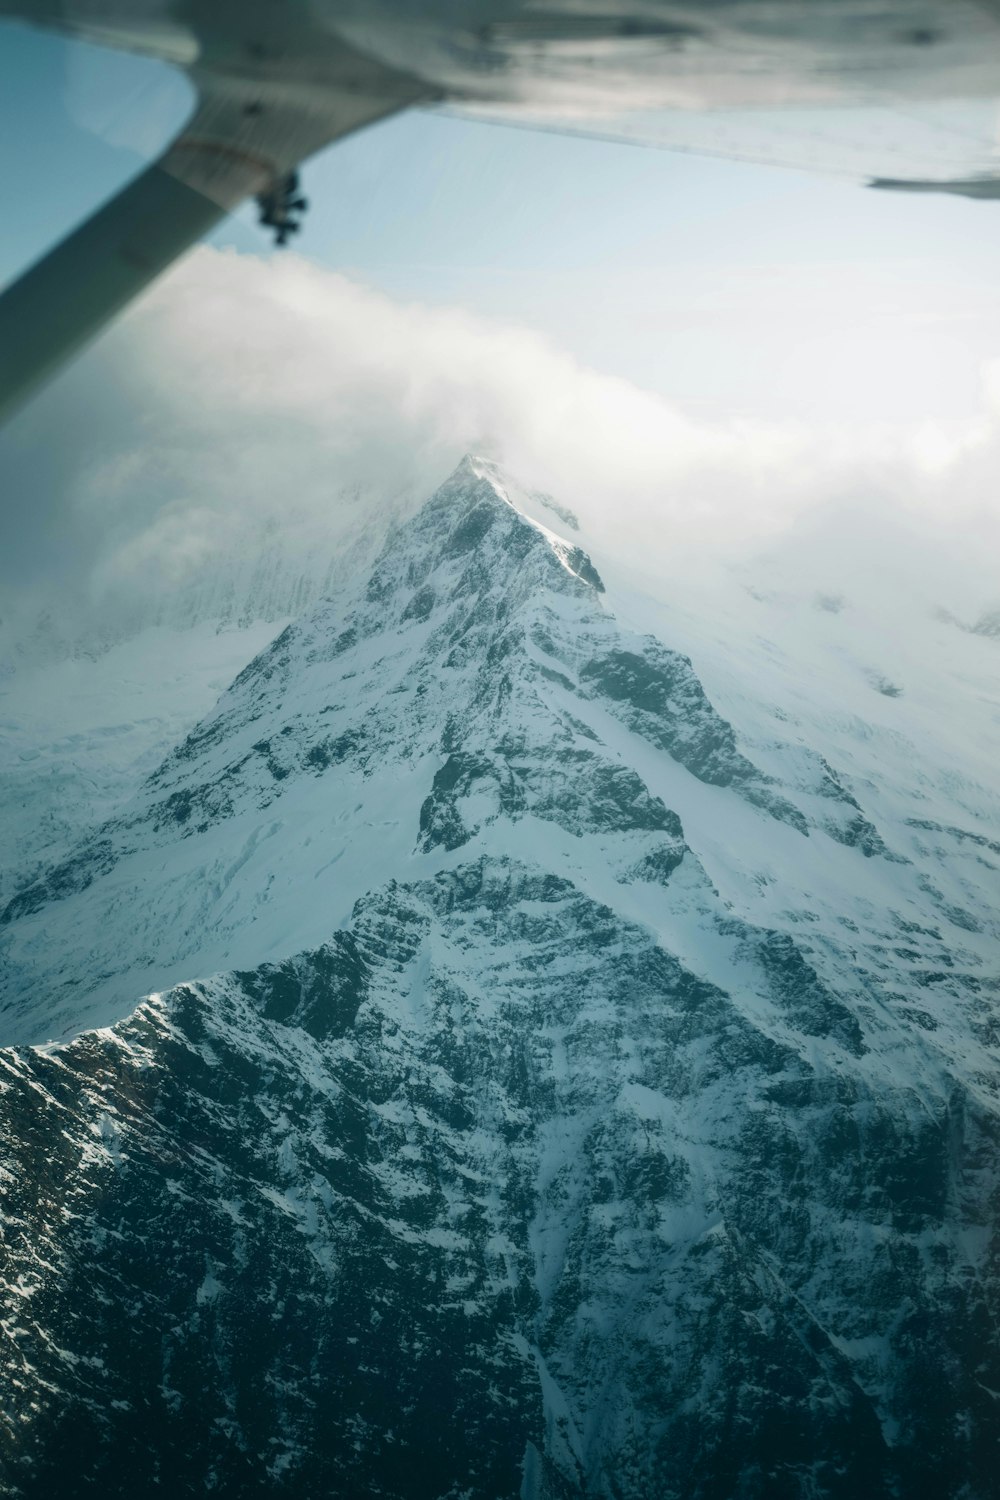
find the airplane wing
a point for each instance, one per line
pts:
(903, 94)
(943, 146)
(245, 138)
(898, 94)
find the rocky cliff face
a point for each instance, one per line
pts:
(506, 1152)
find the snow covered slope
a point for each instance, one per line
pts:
(589, 1099)
(79, 734)
(94, 693)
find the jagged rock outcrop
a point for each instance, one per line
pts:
(492, 1196)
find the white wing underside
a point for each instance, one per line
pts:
(948, 145)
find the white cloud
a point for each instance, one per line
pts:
(247, 396)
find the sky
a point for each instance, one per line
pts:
(703, 351)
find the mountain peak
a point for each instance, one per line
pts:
(473, 683)
(473, 466)
(472, 516)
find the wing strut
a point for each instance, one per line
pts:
(245, 138)
(67, 297)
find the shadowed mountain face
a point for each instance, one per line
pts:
(542, 1169)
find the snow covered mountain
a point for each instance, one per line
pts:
(584, 1102)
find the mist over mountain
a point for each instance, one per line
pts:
(257, 409)
(535, 1035)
